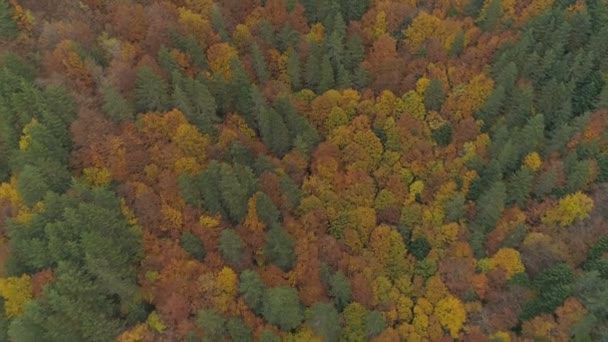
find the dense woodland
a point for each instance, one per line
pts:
(303, 170)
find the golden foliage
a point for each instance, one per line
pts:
(97, 176)
(17, 292)
(220, 56)
(569, 209)
(533, 161)
(510, 261)
(155, 323)
(451, 314)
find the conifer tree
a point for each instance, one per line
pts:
(326, 71)
(150, 91)
(279, 248)
(293, 69)
(115, 105)
(8, 27)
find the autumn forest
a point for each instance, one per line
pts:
(303, 170)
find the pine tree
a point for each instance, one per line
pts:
(458, 45)
(279, 248)
(213, 324)
(491, 16)
(32, 185)
(8, 27)
(150, 91)
(267, 211)
(231, 246)
(326, 81)
(293, 69)
(208, 185)
(340, 290)
(193, 98)
(240, 88)
(354, 52)
(234, 195)
(167, 62)
(312, 65)
(259, 63)
(252, 289)
(282, 308)
(115, 105)
(193, 245)
(324, 320)
(360, 78)
(343, 79)
(434, 95)
(217, 21)
(238, 330)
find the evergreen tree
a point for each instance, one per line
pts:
(213, 324)
(190, 45)
(32, 185)
(259, 63)
(324, 320)
(343, 79)
(8, 27)
(274, 132)
(194, 99)
(167, 61)
(267, 211)
(269, 336)
(375, 323)
(252, 289)
(326, 81)
(238, 330)
(491, 16)
(194, 246)
(240, 89)
(234, 195)
(554, 285)
(519, 187)
(313, 61)
(340, 290)
(443, 135)
(293, 69)
(282, 308)
(457, 47)
(150, 91)
(208, 185)
(354, 52)
(279, 248)
(434, 95)
(231, 246)
(115, 105)
(360, 78)
(217, 22)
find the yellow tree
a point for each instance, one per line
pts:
(569, 209)
(451, 314)
(422, 27)
(220, 56)
(17, 292)
(509, 260)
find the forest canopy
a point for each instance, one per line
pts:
(303, 170)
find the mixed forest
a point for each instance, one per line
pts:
(303, 170)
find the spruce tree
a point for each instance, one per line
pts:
(231, 246)
(259, 63)
(434, 96)
(8, 27)
(279, 248)
(115, 105)
(293, 69)
(491, 16)
(150, 91)
(326, 81)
